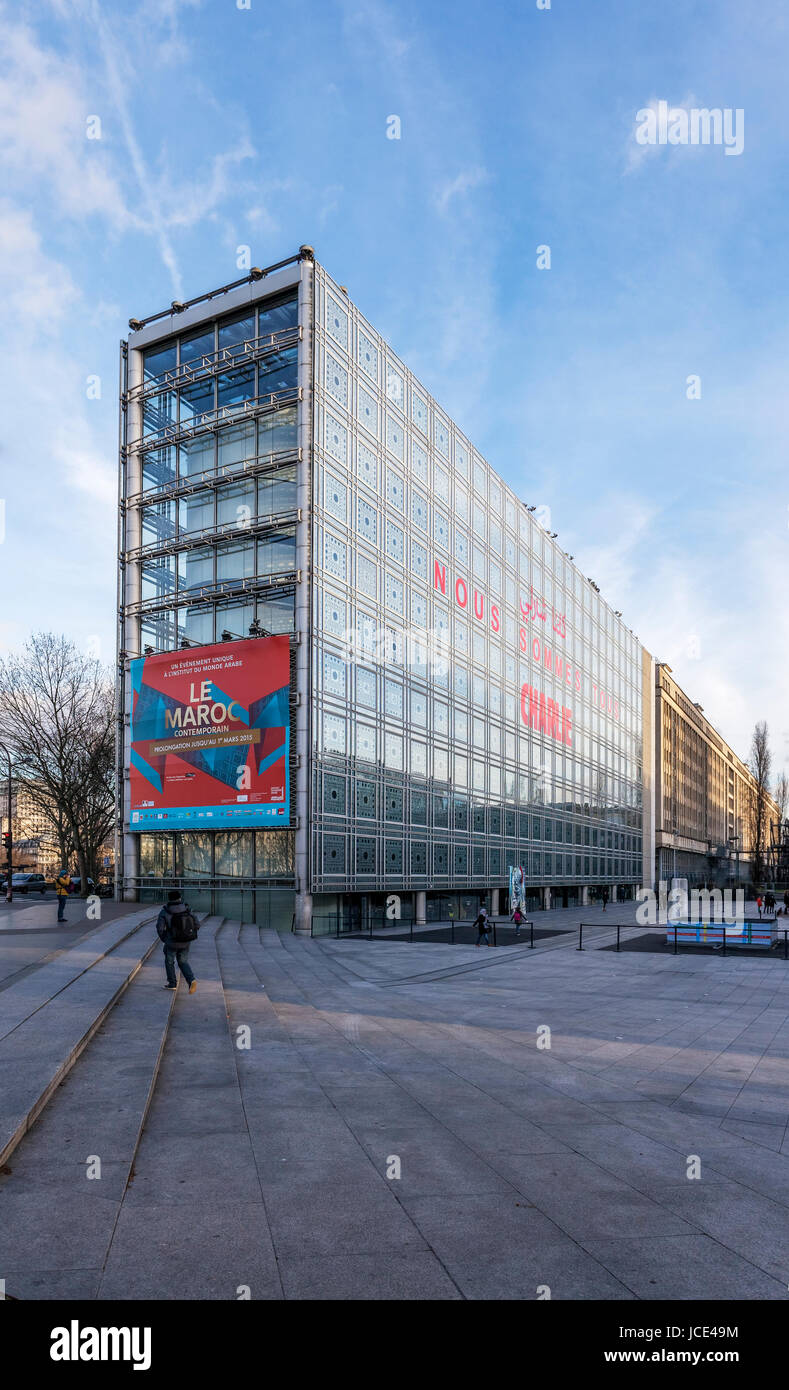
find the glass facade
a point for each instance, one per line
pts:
(476, 703)
(219, 455)
(470, 702)
(217, 445)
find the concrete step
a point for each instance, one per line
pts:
(29, 994)
(56, 1013)
(192, 1223)
(57, 1221)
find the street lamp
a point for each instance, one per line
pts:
(9, 892)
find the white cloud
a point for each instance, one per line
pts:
(460, 185)
(43, 115)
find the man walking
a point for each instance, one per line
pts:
(605, 899)
(482, 926)
(177, 928)
(62, 888)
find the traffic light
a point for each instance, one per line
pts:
(7, 839)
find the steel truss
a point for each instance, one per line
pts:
(230, 472)
(212, 420)
(212, 363)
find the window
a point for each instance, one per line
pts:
(236, 504)
(196, 513)
(274, 316)
(235, 562)
(277, 612)
(236, 444)
(278, 372)
(234, 333)
(277, 552)
(277, 491)
(158, 360)
(158, 467)
(158, 523)
(196, 456)
(277, 431)
(198, 345)
(197, 399)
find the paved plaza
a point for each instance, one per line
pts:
(361, 1119)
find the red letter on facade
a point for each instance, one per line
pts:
(525, 691)
(461, 584)
(494, 617)
(440, 577)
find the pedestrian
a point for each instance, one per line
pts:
(482, 926)
(62, 888)
(517, 918)
(759, 903)
(605, 898)
(786, 902)
(177, 928)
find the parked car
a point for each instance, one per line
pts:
(76, 884)
(26, 883)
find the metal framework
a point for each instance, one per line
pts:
(211, 420)
(228, 473)
(209, 364)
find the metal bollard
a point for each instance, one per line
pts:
(617, 938)
(724, 940)
(580, 946)
(531, 936)
(675, 938)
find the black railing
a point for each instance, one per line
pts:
(672, 929)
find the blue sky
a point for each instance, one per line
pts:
(223, 127)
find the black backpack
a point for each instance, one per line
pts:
(182, 925)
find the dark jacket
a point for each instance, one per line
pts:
(165, 922)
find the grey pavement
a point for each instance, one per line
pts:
(384, 1120)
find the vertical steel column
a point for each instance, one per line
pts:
(303, 601)
(130, 627)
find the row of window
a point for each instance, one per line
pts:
(205, 623)
(592, 737)
(593, 780)
(339, 678)
(344, 561)
(233, 504)
(370, 801)
(227, 563)
(220, 853)
(231, 333)
(224, 450)
(420, 859)
(182, 409)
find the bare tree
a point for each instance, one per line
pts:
(759, 802)
(781, 795)
(57, 718)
